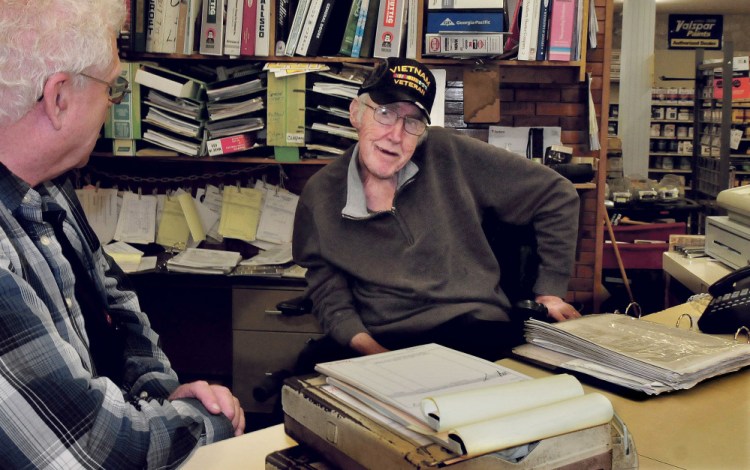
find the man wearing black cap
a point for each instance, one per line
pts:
(391, 233)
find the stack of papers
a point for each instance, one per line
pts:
(275, 261)
(464, 403)
(204, 261)
(128, 258)
(637, 354)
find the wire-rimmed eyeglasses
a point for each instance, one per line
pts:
(116, 90)
(389, 117)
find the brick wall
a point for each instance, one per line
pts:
(553, 96)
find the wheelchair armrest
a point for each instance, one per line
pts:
(296, 306)
(525, 309)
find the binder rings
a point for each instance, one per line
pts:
(633, 353)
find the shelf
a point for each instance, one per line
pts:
(670, 121)
(140, 56)
(664, 170)
(673, 104)
(218, 159)
(669, 154)
(659, 137)
(734, 105)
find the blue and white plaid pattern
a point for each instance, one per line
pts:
(54, 411)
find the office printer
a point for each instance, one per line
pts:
(728, 237)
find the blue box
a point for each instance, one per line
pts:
(456, 21)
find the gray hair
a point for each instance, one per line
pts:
(43, 37)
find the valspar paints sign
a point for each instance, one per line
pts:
(695, 31)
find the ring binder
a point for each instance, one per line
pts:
(741, 330)
(641, 355)
(679, 319)
(636, 307)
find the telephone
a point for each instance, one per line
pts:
(730, 307)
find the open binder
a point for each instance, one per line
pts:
(633, 353)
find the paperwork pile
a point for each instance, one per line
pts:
(636, 354)
(461, 402)
(203, 261)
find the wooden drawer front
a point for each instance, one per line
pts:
(257, 353)
(255, 309)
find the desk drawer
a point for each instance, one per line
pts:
(258, 353)
(255, 309)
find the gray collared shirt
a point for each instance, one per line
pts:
(356, 203)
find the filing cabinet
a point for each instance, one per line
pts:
(264, 341)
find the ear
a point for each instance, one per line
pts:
(354, 113)
(56, 98)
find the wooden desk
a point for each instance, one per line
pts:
(696, 274)
(706, 427)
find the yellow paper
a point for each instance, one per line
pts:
(240, 213)
(173, 228)
(191, 216)
(126, 256)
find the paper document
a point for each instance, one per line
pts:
(173, 228)
(128, 258)
(137, 220)
(240, 212)
(200, 260)
(208, 202)
(516, 139)
(406, 376)
(100, 207)
(193, 219)
(285, 69)
(279, 254)
(277, 216)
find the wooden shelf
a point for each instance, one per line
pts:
(163, 156)
(664, 170)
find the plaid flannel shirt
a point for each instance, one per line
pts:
(55, 411)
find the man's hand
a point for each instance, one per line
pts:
(217, 399)
(366, 344)
(557, 308)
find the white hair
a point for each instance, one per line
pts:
(43, 37)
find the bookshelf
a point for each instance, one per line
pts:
(545, 93)
(671, 138)
(721, 142)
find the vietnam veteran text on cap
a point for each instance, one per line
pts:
(399, 79)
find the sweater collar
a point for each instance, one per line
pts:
(356, 204)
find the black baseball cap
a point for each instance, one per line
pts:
(398, 79)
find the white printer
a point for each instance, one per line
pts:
(728, 237)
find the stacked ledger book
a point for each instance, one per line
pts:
(469, 406)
